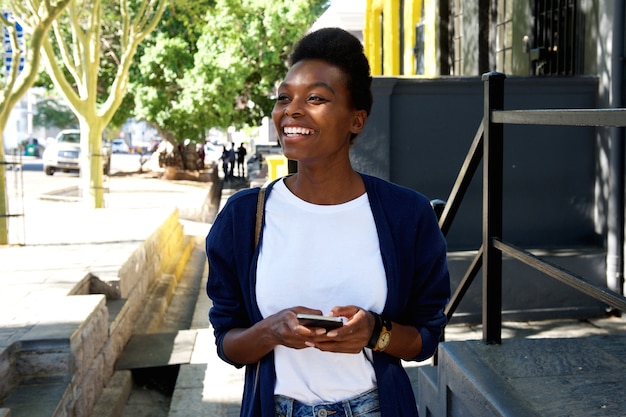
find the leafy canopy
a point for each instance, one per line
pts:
(222, 71)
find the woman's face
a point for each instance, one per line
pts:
(314, 115)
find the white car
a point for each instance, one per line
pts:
(63, 153)
(212, 153)
(119, 146)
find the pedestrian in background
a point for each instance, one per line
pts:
(231, 160)
(241, 159)
(225, 159)
(334, 242)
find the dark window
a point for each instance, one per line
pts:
(418, 51)
(554, 45)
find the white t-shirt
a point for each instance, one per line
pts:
(319, 256)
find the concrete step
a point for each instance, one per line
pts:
(55, 357)
(7, 370)
(168, 346)
(156, 304)
(151, 350)
(575, 377)
(39, 397)
(66, 340)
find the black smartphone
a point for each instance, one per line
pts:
(313, 320)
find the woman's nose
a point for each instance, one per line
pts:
(293, 108)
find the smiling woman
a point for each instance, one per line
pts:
(315, 116)
(333, 242)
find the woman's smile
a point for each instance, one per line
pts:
(291, 131)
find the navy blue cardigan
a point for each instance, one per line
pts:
(414, 256)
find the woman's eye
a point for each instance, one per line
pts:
(282, 97)
(317, 99)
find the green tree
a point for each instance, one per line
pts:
(35, 17)
(221, 70)
(160, 68)
(52, 113)
(242, 53)
(75, 62)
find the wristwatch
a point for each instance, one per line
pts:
(381, 336)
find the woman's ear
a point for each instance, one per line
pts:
(358, 121)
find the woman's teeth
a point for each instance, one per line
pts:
(297, 131)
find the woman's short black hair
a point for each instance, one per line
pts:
(343, 50)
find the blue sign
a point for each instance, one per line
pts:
(8, 49)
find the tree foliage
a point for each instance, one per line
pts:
(221, 72)
(52, 113)
(241, 54)
(161, 67)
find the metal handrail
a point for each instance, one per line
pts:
(487, 147)
(562, 117)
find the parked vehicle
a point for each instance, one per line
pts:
(63, 153)
(119, 146)
(212, 154)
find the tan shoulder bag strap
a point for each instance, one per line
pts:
(259, 216)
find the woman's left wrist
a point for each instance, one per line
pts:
(378, 325)
(381, 335)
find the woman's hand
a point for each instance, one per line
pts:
(352, 337)
(289, 332)
(249, 345)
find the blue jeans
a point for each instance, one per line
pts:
(364, 405)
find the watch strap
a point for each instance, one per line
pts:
(378, 327)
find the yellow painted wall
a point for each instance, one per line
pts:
(382, 36)
(431, 67)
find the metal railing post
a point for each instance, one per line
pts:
(492, 208)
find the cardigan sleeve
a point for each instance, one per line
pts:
(414, 252)
(431, 282)
(229, 249)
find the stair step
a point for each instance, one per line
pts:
(164, 349)
(38, 397)
(7, 370)
(576, 377)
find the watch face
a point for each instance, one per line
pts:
(384, 340)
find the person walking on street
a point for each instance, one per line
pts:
(224, 159)
(332, 242)
(241, 159)
(231, 160)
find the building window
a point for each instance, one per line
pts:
(554, 43)
(418, 51)
(457, 38)
(504, 37)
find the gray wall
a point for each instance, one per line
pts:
(419, 133)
